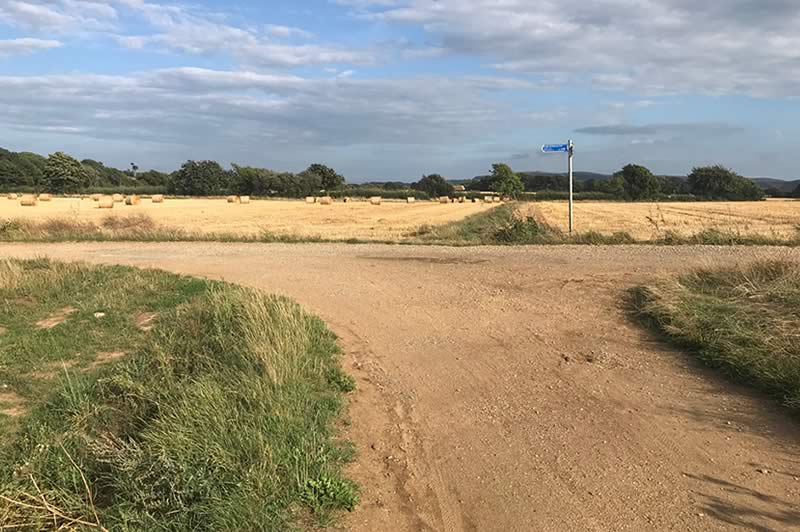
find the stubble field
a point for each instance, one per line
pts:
(392, 220)
(645, 221)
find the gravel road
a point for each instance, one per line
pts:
(506, 389)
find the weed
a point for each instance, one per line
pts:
(743, 320)
(220, 418)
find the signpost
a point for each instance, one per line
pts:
(569, 149)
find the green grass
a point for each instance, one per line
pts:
(502, 225)
(742, 320)
(223, 417)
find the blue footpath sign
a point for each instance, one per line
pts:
(550, 148)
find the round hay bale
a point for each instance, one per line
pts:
(244, 200)
(158, 198)
(311, 200)
(326, 200)
(96, 197)
(488, 199)
(411, 199)
(13, 196)
(233, 199)
(106, 202)
(133, 200)
(45, 197)
(461, 199)
(444, 200)
(28, 200)
(347, 200)
(375, 200)
(474, 200)
(118, 198)
(496, 199)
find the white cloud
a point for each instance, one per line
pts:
(9, 47)
(654, 46)
(288, 32)
(60, 16)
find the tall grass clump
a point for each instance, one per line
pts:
(223, 417)
(740, 319)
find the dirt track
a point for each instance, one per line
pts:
(504, 389)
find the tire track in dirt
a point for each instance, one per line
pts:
(512, 392)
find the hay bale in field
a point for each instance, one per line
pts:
(347, 199)
(444, 200)
(13, 196)
(45, 197)
(311, 200)
(461, 199)
(233, 199)
(96, 197)
(118, 198)
(28, 200)
(326, 200)
(106, 202)
(411, 199)
(488, 199)
(244, 200)
(496, 199)
(158, 198)
(133, 200)
(474, 200)
(375, 200)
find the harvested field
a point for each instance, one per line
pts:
(644, 221)
(355, 219)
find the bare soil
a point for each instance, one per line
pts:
(56, 319)
(507, 389)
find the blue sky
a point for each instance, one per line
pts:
(393, 89)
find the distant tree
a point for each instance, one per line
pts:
(256, 181)
(671, 185)
(613, 185)
(506, 181)
(720, 183)
(134, 169)
(199, 178)
(539, 182)
(434, 185)
(154, 178)
(64, 174)
(329, 178)
(638, 182)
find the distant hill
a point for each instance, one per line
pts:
(780, 184)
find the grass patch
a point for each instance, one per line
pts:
(222, 417)
(503, 225)
(742, 320)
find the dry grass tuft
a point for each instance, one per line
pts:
(742, 319)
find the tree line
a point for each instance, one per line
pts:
(632, 183)
(61, 173)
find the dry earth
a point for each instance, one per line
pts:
(358, 219)
(644, 221)
(505, 388)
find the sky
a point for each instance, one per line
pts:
(394, 89)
